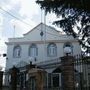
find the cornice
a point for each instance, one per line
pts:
(40, 42)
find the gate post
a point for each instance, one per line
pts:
(1, 79)
(67, 73)
(14, 72)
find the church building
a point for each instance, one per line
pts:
(43, 46)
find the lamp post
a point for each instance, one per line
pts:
(67, 62)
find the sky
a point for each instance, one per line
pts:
(18, 17)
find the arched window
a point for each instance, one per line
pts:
(68, 44)
(17, 51)
(33, 50)
(52, 49)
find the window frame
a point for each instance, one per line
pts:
(52, 50)
(16, 47)
(35, 48)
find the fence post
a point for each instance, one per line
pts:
(14, 72)
(67, 63)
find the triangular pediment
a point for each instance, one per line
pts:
(41, 26)
(41, 31)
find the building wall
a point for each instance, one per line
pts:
(51, 36)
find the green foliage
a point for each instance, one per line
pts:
(75, 13)
(64, 4)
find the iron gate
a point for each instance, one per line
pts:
(82, 72)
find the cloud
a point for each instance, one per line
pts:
(28, 13)
(3, 49)
(1, 20)
(20, 27)
(3, 45)
(8, 4)
(1, 24)
(29, 8)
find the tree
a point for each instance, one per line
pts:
(75, 18)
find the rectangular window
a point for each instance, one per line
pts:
(33, 52)
(52, 51)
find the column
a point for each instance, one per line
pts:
(67, 73)
(14, 72)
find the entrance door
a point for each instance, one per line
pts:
(32, 83)
(55, 79)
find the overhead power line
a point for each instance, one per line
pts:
(23, 21)
(14, 16)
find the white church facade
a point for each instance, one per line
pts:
(43, 46)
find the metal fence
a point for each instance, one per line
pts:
(81, 75)
(82, 72)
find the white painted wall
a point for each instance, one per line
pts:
(34, 37)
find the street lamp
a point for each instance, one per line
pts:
(67, 50)
(31, 59)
